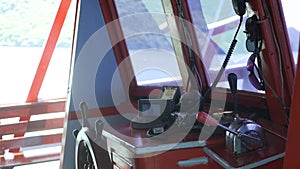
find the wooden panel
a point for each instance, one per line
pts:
(23, 127)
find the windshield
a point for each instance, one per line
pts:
(215, 24)
(148, 42)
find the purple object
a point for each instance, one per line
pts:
(258, 84)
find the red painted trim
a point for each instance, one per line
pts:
(270, 62)
(291, 160)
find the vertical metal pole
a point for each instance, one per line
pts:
(45, 59)
(292, 147)
(48, 50)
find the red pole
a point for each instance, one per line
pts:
(48, 50)
(45, 59)
(292, 147)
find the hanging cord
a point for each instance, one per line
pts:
(264, 80)
(226, 60)
(280, 100)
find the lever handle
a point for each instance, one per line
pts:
(99, 125)
(232, 79)
(84, 109)
(206, 119)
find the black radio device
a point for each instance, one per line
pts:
(157, 114)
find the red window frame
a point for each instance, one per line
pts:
(250, 99)
(121, 52)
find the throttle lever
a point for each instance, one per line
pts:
(232, 79)
(207, 119)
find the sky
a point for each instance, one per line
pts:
(292, 13)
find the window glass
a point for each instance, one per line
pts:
(148, 41)
(215, 24)
(24, 29)
(291, 12)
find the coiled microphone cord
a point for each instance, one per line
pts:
(225, 62)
